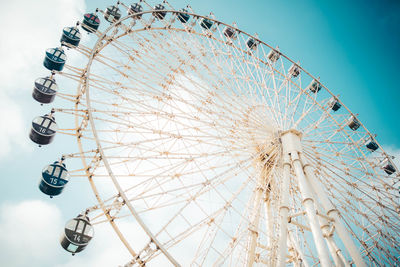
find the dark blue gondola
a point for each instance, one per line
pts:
(315, 86)
(70, 36)
(134, 9)
(112, 14)
(230, 33)
(55, 59)
(388, 167)
(334, 104)
(77, 234)
(251, 43)
(273, 55)
(159, 15)
(371, 144)
(206, 23)
(354, 124)
(54, 178)
(183, 17)
(45, 90)
(43, 129)
(90, 22)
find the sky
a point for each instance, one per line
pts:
(353, 46)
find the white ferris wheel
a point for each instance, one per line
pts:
(222, 150)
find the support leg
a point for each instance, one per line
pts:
(333, 213)
(308, 203)
(291, 144)
(254, 220)
(283, 213)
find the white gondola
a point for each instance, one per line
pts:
(334, 104)
(273, 56)
(315, 86)
(354, 124)
(294, 70)
(77, 234)
(112, 14)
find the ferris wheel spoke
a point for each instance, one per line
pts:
(211, 220)
(358, 179)
(344, 207)
(185, 130)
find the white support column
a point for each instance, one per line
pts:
(334, 214)
(270, 229)
(330, 242)
(255, 218)
(341, 257)
(297, 247)
(326, 229)
(284, 212)
(291, 144)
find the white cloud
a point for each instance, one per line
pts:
(29, 233)
(13, 132)
(33, 26)
(104, 250)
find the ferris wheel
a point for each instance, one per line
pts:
(217, 146)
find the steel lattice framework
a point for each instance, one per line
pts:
(223, 152)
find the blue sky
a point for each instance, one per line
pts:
(354, 46)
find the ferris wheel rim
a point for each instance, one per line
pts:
(195, 16)
(153, 239)
(100, 39)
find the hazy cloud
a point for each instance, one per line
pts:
(29, 233)
(32, 27)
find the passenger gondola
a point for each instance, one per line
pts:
(206, 23)
(55, 59)
(230, 33)
(273, 56)
(315, 86)
(334, 104)
(45, 90)
(294, 70)
(388, 167)
(77, 234)
(371, 144)
(134, 9)
(91, 22)
(183, 17)
(354, 124)
(251, 43)
(70, 37)
(112, 14)
(54, 178)
(43, 129)
(159, 15)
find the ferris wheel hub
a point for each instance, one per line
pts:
(291, 141)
